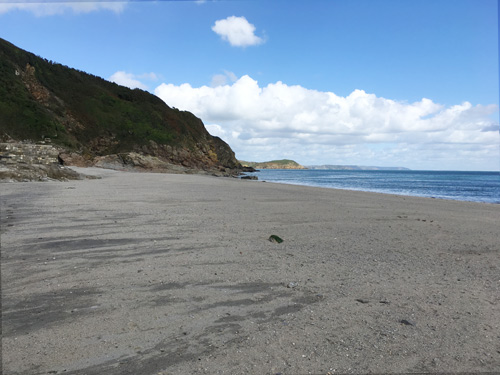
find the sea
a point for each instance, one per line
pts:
(456, 185)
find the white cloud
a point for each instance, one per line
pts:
(223, 79)
(237, 31)
(315, 127)
(49, 8)
(128, 80)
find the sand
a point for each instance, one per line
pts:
(141, 273)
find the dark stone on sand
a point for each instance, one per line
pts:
(407, 322)
(362, 300)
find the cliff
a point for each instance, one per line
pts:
(273, 164)
(89, 119)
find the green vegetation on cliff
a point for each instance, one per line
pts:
(81, 112)
(273, 164)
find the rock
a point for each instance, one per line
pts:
(249, 178)
(136, 161)
(362, 300)
(38, 172)
(224, 153)
(407, 322)
(248, 169)
(74, 159)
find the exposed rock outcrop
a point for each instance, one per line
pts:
(32, 162)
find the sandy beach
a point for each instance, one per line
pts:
(142, 273)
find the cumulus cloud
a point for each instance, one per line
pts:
(237, 31)
(49, 8)
(315, 127)
(128, 80)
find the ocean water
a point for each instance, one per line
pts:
(463, 186)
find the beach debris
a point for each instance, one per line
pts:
(291, 284)
(406, 322)
(362, 300)
(274, 238)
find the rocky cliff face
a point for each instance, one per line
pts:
(95, 121)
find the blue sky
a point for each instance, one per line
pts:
(367, 82)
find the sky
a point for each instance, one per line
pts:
(360, 82)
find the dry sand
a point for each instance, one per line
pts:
(174, 274)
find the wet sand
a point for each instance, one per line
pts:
(140, 273)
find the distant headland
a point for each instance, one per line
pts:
(273, 164)
(291, 164)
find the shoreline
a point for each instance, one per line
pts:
(165, 273)
(393, 188)
(382, 192)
